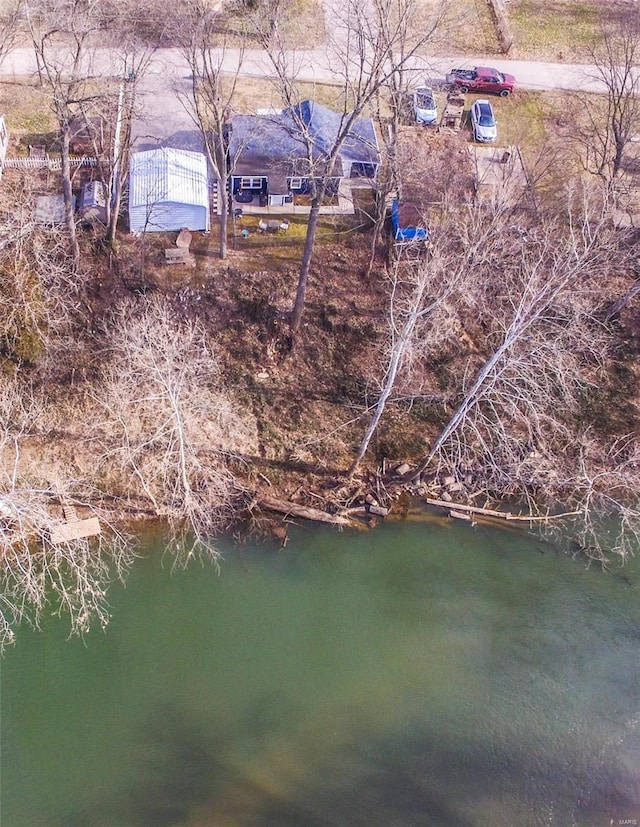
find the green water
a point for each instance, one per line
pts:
(421, 674)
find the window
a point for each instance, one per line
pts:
(295, 183)
(424, 100)
(485, 116)
(280, 200)
(361, 170)
(250, 183)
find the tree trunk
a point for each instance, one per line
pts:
(297, 510)
(70, 219)
(378, 228)
(619, 143)
(381, 405)
(470, 400)
(122, 141)
(224, 216)
(115, 212)
(622, 302)
(312, 226)
(397, 355)
(398, 351)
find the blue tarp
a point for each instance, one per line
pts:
(404, 230)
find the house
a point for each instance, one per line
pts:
(269, 153)
(168, 190)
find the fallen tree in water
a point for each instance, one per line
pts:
(305, 512)
(504, 515)
(530, 403)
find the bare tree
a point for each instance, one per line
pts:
(10, 18)
(61, 32)
(370, 49)
(39, 573)
(520, 425)
(213, 91)
(420, 285)
(170, 425)
(429, 285)
(117, 109)
(603, 487)
(41, 295)
(91, 89)
(544, 330)
(613, 121)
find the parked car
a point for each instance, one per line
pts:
(482, 79)
(424, 105)
(483, 122)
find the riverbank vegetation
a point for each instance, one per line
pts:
(496, 363)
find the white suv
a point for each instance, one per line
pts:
(483, 122)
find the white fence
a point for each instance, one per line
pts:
(48, 163)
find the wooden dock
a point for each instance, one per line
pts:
(73, 528)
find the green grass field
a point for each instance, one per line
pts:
(557, 30)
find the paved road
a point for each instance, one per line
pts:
(320, 65)
(165, 91)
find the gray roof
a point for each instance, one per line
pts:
(260, 143)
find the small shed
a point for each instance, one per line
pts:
(168, 190)
(93, 202)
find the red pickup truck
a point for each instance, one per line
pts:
(482, 79)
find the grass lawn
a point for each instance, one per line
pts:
(537, 122)
(301, 23)
(289, 245)
(252, 93)
(466, 27)
(557, 30)
(26, 109)
(304, 24)
(522, 119)
(529, 119)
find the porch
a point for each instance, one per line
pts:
(344, 205)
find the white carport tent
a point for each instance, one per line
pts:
(168, 190)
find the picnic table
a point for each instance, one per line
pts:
(180, 256)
